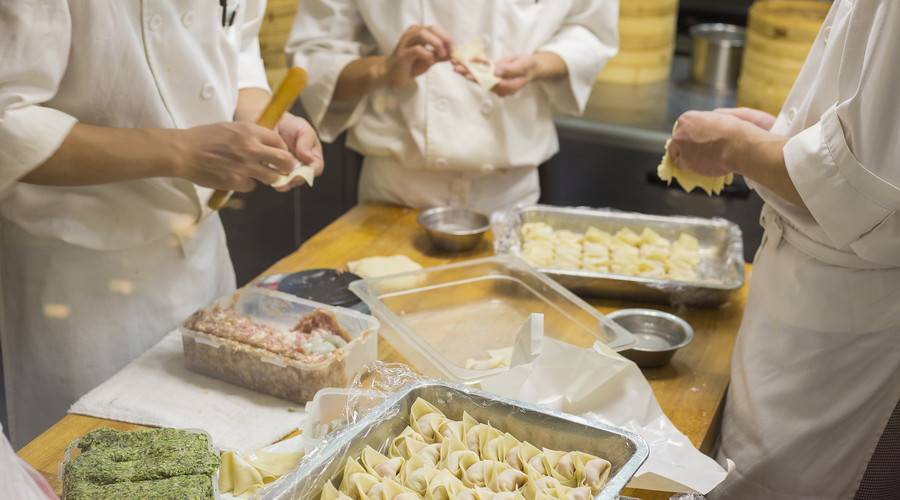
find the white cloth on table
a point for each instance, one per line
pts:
(156, 389)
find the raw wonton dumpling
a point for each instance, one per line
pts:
(595, 235)
(444, 486)
(625, 254)
(628, 236)
(503, 478)
(591, 472)
(237, 475)
(520, 456)
(539, 484)
(329, 492)
(594, 250)
(351, 468)
(537, 231)
(417, 473)
(654, 252)
(651, 237)
(687, 241)
(379, 465)
(564, 236)
(407, 444)
(388, 489)
(425, 419)
(651, 268)
(477, 433)
(498, 448)
(456, 457)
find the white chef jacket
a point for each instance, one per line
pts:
(163, 64)
(92, 276)
(441, 121)
(816, 367)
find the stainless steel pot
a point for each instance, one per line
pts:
(717, 52)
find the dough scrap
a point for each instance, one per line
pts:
(667, 170)
(471, 54)
(300, 170)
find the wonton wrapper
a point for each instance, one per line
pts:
(236, 475)
(329, 492)
(498, 448)
(425, 419)
(456, 457)
(592, 472)
(444, 486)
(300, 170)
(667, 170)
(473, 56)
(376, 267)
(417, 473)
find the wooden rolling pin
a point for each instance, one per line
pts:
(282, 99)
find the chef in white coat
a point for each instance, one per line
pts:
(816, 369)
(430, 137)
(116, 119)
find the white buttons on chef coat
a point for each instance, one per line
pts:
(441, 104)
(487, 105)
(791, 114)
(207, 91)
(187, 19)
(155, 22)
(440, 163)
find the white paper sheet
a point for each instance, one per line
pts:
(602, 385)
(156, 389)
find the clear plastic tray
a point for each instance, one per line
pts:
(439, 317)
(329, 406)
(269, 373)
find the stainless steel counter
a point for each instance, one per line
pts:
(640, 117)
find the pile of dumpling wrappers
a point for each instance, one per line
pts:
(625, 252)
(442, 459)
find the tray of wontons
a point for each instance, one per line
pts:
(439, 440)
(626, 255)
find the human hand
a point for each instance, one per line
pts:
(757, 117)
(418, 49)
(303, 142)
(230, 156)
(705, 142)
(514, 73)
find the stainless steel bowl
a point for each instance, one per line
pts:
(717, 52)
(658, 334)
(454, 229)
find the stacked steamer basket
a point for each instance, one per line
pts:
(779, 36)
(273, 35)
(646, 42)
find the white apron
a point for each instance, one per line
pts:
(94, 275)
(816, 367)
(67, 322)
(385, 181)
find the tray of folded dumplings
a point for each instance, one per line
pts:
(439, 440)
(624, 255)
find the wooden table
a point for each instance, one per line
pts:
(690, 390)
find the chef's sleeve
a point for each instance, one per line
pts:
(251, 70)
(327, 36)
(586, 41)
(35, 39)
(846, 167)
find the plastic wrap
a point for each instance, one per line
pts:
(378, 425)
(270, 373)
(17, 478)
(721, 268)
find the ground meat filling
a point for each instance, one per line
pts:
(315, 336)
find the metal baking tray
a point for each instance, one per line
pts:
(543, 428)
(721, 268)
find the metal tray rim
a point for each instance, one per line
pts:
(345, 437)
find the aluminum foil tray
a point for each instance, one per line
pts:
(543, 428)
(721, 268)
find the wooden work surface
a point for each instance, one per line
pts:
(690, 390)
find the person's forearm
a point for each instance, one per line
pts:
(99, 155)
(549, 65)
(763, 162)
(250, 105)
(361, 77)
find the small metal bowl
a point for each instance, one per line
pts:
(454, 229)
(658, 334)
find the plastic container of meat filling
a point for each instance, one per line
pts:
(278, 375)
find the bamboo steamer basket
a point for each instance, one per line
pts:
(646, 43)
(779, 36)
(647, 8)
(273, 36)
(793, 20)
